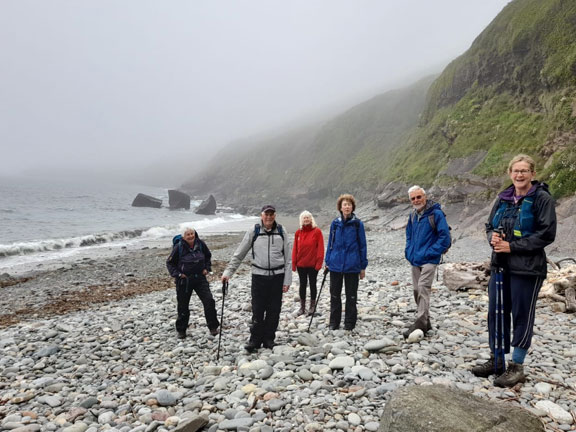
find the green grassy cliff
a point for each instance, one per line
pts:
(512, 91)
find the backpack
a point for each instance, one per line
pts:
(177, 240)
(257, 228)
(433, 225)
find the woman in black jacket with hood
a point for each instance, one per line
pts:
(188, 264)
(521, 224)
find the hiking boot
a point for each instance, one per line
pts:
(416, 325)
(268, 344)
(302, 310)
(349, 327)
(214, 331)
(251, 346)
(334, 327)
(312, 308)
(181, 334)
(428, 326)
(486, 369)
(514, 374)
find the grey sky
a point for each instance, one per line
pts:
(110, 83)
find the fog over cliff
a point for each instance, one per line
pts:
(122, 86)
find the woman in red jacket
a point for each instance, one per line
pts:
(307, 258)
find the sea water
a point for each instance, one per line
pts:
(47, 220)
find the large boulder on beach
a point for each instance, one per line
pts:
(207, 207)
(143, 200)
(178, 199)
(437, 408)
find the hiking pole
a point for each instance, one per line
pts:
(224, 292)
(499, 324)
(499, 341)
(317, 298)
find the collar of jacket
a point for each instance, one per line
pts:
(508, 193)
(352, 217)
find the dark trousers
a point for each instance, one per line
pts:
(305, 274)
(184, 289)
(350, 281)
(266, 306)
(520, 294)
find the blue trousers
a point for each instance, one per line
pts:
(519, 294)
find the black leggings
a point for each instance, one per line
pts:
(184, 289)
(305, 273)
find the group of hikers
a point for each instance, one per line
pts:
(521, 224)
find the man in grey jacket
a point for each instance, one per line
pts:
(271, 275)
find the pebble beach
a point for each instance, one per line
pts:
(91, 346)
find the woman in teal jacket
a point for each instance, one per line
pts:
(346, 259)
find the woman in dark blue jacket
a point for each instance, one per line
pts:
(189, 263)
(521, 224)
(346, 259)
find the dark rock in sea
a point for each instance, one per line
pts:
(207, 207)
(143, 200)
(178, 199)
(437, 408)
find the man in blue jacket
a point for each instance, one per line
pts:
(427, 238)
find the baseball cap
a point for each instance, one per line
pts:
(268, 208)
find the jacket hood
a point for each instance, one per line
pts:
(430, 206)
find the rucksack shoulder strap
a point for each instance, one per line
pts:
(432, 222)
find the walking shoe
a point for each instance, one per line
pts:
(416, 325)
(486, 369)
(251, 346)
(334, 327)
(268, 344)
(514, 374)
(428, 326)
(181, 334)
(214, 331)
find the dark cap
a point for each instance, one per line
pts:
(268, 208)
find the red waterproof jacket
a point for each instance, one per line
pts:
(308, 248)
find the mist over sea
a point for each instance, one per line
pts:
(49, 219)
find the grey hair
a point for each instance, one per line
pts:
(303, 215)
(415, 188)
(186, 229)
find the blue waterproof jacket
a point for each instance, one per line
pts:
(346, 250)
(424, 245)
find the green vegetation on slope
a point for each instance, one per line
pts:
(512, 92)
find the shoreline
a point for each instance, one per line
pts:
(120, 352)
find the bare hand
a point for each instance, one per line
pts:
(225, 278)
(362, 274)
(285, 288)
(502, 247)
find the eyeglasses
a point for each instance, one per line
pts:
(417, 197)
(522, 171)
